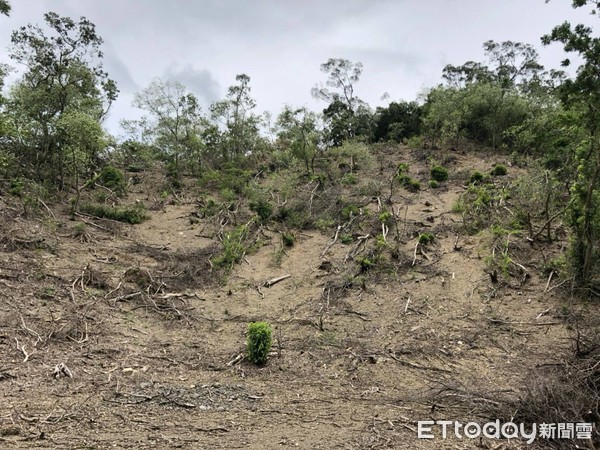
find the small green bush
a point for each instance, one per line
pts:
(499, 170)
(113, 179)
(439, 173)
(233, 248)
(349, 179)
(16, 187)
(263, 208)
(288, 239)
(409, 184)
(258, 342)
(476, 177)
(365, 263)
(346, 239)
(349, 211)
(385, 217)
(425, 238)
(415, 142)
(402, 169)
(132, 215)
(433, 184)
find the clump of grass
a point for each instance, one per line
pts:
(439, 173)
(409, 183)
(262, 208)
(499, 170)
(346, 239)
(433, 184)
(365, 263)
(349, 179)
(426, 238)
(476, 177)
(133, 215)
(288, 239)
(405, 180)
(233, 248)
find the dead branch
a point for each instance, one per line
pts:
(331, 244)
(417, 366)
(35, 333)
(62, 370)
(415, 254)
(361, 316)
(21, 348)
(236, 360)
(276, 280)
(48, 209)
(549, 280)
(537, 324)
(354, 251)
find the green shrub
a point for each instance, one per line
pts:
(113, 179)
(16, 187)
(433, 184)
(499, 170)
(233, 248)
(415, 142)
(409, 184)
(349, 179)
(132, 215)
(346, 239)
(288, 239)
(231, 178)
(324, 223)
(385, 217)
(349, 211)
(439, 173)
(425, 238)
(294, 217)
(357, 152)
(402, 169)
(258, 342)
(365, 263)
(263, 208)
(476, 177)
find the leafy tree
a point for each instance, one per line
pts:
(343, 74)
(238, 133)
(175, 123)
(397, 122)
(63, 76)
(483, 102)
(346, 114)
(298, 130)
(583, 93)
(5, 7)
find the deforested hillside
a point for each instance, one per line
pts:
(210, 276)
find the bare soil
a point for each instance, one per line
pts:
(152, 336)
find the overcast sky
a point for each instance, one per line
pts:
(280, 44)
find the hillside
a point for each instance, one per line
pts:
(368, 340)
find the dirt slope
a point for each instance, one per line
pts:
(151, 340)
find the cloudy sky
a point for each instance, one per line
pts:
(280, 44)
